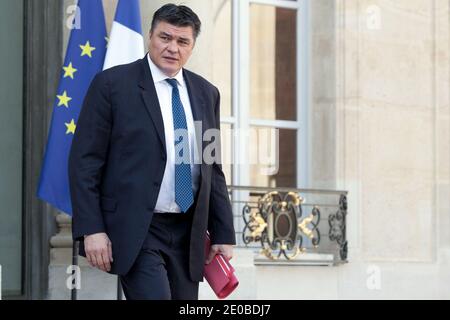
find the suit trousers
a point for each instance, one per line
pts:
(161, 270)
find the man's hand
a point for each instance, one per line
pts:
(99, 251)
(225, 249)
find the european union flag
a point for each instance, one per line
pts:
(84, 59)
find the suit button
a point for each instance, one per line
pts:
(156, 184)
(163, 157)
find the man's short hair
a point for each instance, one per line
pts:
(180, 16)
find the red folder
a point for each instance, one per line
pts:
(219, 274)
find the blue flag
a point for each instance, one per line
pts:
(84, 59)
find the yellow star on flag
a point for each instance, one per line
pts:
(64, 100)
(87, 49)
(71, 127)
(69, 71)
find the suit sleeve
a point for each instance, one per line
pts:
(220, 221)
(87, 159)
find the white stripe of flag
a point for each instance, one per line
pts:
(126, 43)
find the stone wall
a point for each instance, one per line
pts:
(392, 126)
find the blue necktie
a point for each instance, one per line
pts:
(183, 178)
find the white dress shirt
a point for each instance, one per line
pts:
(166, 198)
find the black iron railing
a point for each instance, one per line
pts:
(284, 223)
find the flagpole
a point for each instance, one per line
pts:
(74, 272)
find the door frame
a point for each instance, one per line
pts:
(43, 35)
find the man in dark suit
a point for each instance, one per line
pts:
(143, 195)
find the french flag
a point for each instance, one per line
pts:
(126, 43)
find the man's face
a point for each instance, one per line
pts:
(171, 47)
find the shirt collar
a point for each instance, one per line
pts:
(159, 76)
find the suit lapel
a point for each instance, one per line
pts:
(196, 99)
(198, 107)
(151, 101)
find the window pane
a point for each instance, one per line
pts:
(221, 68)
(11, 109)
(273, 52)
(273, 157)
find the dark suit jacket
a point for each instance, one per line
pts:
(117, 163)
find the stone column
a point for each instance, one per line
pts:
(61, 243)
